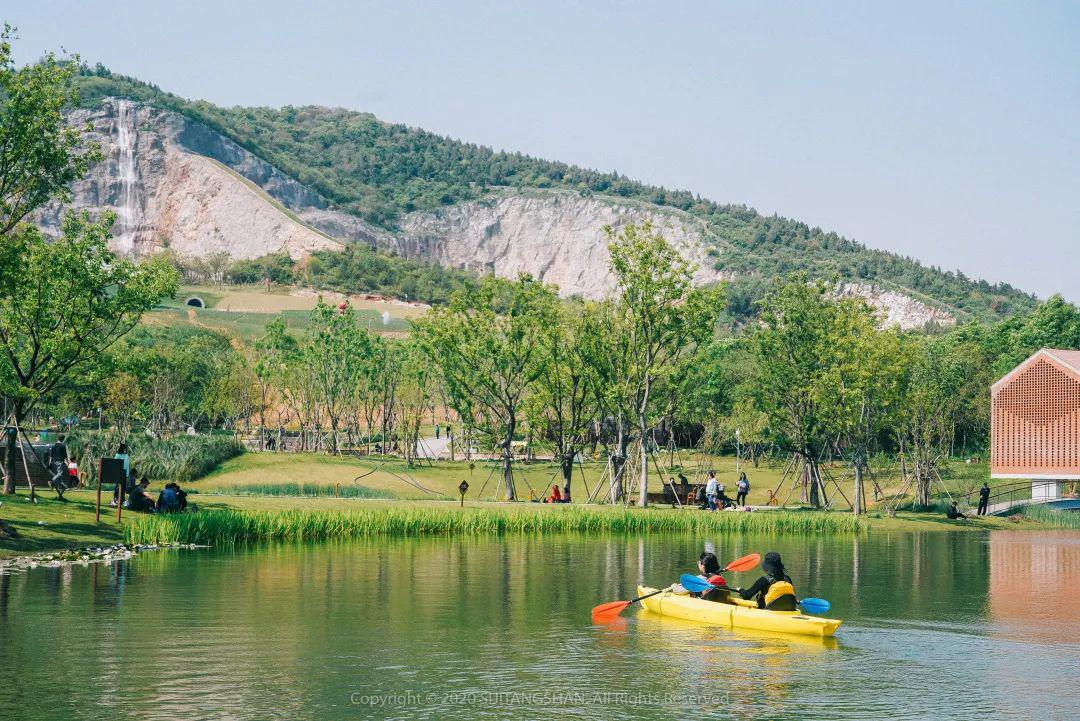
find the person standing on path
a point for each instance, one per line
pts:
(742, 487)
(984, 499)
(711, 491)
(58, 467)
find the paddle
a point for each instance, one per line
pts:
(607, 611)
(698, 585)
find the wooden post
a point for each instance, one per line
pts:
(101, 470)
(120, 498)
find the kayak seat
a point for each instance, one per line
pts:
(786, 602)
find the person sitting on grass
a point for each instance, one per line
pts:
(138, 499)
(722, 499)
(953, 513)
(556, 496)
(167, 500)
(566, 493)
(181, 498)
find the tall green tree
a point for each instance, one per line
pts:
(333, 347)
(564, 396)
(936, 374)
(806, 352)
(70, 300)
(487, 345)
(660, 315)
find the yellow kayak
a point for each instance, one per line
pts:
(738, 614)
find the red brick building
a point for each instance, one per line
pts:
(1035, 420)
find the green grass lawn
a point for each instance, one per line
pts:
(391, 477)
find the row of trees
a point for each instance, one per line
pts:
(815, 379)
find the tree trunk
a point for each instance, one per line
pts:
(9, 481)
(859, 492)
(812, 476)
(804, 495)
(643, 472)
(923, 477)
(618, 462)
(508, 473)
(567, 466)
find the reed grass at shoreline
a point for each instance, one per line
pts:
(235, 527)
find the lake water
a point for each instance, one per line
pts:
(944, 625)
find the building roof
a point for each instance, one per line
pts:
(1067, 360)
(1070, 358)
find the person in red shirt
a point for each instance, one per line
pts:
(556, 496)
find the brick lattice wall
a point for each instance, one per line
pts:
(1035, 422)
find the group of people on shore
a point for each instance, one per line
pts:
(952, 512)
(773, 590)
(171, 499)
(714, 498)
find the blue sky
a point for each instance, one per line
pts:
(945, 131)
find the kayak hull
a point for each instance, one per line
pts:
(736, 616)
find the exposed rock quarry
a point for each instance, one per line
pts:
(176, 183)
(896, 309)
(557, 238)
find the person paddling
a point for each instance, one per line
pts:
(709, 568)
(773, 590)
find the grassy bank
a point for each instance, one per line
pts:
(1051, 517)
(51, 526)
(230, 527)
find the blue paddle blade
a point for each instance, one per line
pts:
(693, 583)
(815, 605)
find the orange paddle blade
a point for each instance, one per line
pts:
(745, 563)
(608, 611)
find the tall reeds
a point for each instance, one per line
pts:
(1051, 516)
(178, 458)
(229, 527)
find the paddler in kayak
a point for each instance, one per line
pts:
(709, 568)
(773, 590)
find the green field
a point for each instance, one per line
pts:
(244, 311)
(391, 476)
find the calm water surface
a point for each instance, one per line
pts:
(946, 625)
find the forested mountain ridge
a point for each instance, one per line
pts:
(388, 175)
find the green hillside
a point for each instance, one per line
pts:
(378, 171)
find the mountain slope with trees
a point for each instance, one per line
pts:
(380, 171)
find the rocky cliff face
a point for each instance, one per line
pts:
(176, 183)
(555, 237)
